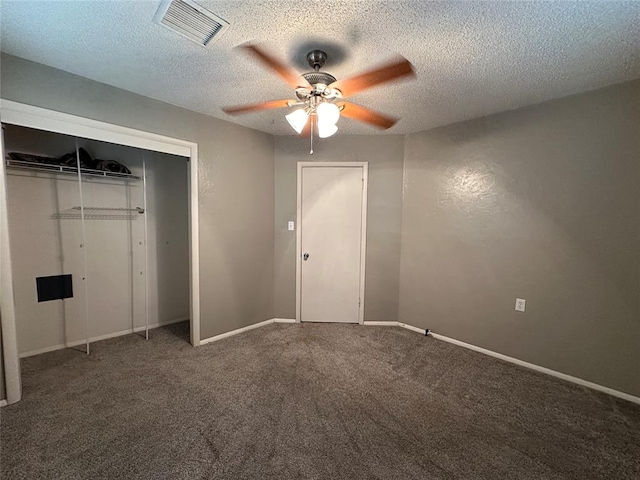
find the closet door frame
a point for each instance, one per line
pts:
(23, 115)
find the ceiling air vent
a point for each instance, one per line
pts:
(191, 21)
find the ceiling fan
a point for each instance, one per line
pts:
(320, 95)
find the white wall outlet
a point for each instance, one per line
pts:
(520, 304)
(291, 226)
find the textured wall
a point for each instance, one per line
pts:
(385, 157)
(542, 203)
(235, 185)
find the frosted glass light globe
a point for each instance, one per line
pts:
(328, 114)
(325, 131)
(297, 119)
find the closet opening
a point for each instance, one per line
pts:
(100, 251)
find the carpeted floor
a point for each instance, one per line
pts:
(307, 401)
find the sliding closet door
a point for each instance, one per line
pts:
(115, 217)
(46, 248)
(10, 367)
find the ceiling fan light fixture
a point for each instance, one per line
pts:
(297, 119)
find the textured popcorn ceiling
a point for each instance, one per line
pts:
(472, 59)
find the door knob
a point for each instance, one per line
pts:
(305, 256)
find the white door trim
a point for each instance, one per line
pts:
(58, 122)
(43, 119)
(363, 244)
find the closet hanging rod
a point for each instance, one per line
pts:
(91, 216)
(67, 170)
(139, 210)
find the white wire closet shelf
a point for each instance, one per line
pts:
(67, 170)
(99, 213)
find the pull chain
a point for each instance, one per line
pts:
(311, 151)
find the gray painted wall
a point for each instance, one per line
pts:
(542, 203)
(235, 186)
(385, 157)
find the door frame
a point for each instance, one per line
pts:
(363, 238)
(50, 120)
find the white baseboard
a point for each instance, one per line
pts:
(244, 329)
(376, 323)
(3, 403)
(235, 332)
(412, 328)
(531, 366)
(99, 337)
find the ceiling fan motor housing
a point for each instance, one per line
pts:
(322, 78)
(318, 80)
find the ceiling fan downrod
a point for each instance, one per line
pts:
(316, 59)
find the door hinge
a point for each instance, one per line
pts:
(363, 183)
(359, 302)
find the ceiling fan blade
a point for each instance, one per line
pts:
(255, 107)
(356, 112)
(388, 73)
(284, 71)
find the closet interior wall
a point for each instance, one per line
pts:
(47, 239)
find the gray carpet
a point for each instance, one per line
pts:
(307, 401)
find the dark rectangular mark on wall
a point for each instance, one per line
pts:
(55, 287)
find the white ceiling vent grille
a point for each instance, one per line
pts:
(191, 21)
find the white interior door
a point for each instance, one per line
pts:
(331, 274)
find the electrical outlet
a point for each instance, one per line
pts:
(520, 304)
(291, 226)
